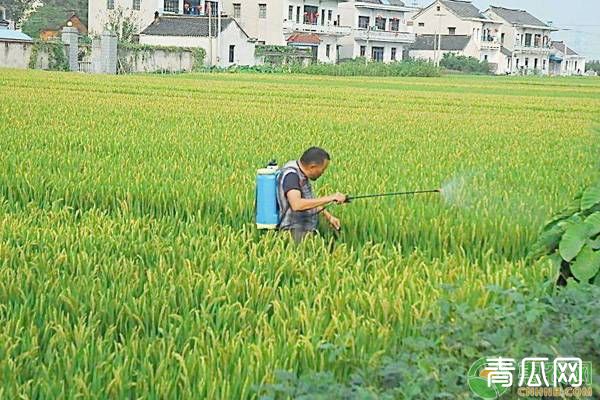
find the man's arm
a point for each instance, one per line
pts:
(297, 203)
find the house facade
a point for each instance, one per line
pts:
(525, 39)
(309, 24)
(313, 24)
(233, 46)
(565, 61)
(379, 30)
(454, 17)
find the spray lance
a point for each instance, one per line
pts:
(391, 194)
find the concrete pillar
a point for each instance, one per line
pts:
(109, 52)
(70, 37)
(97, 56)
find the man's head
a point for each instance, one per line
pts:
(314, 162)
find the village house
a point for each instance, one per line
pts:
(480, 36)
(314, 25)
(73, 20)
(525, 38)
(232, 47)
(379, 30)
(565, 61)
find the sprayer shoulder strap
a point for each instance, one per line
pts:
(284, 205)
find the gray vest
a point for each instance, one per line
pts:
(290, 219)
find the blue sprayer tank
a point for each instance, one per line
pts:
(267, 209)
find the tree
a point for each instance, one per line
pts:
(123, 24)
(19, 10)
(52, 14)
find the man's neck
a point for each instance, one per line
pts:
(301, 167)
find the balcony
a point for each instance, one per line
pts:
(327, 29)
(542, 50)
(489, 43)
(384, 36)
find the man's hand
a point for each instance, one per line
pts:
(338, 198)
(334, 222)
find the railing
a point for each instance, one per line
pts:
(384, 36)
(535, 49)
(328, 29)
(85, 66)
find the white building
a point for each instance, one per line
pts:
(565, 61)
(526, 40)
(454, 17)
(142, 12)
(426, 46)
(313, 24)
(379, 30)
(304, 23)
(232, 47)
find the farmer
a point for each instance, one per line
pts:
(299, 207)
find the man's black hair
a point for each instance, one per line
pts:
(314, 155)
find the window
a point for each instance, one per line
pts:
(363, 51)
(311, 15)
(237, 10)
(136, 4)
(291, 13)
(517, 63)
(421, 24)
(485, 57)
(544, 65)
(394, 24)
(327, 50)
(451, 31)
(439, 8)
(393, 54)
(262, 11)
(535, 63)
(231, 53)
(528, 39)
(380, 23)
(322, 17)
(210, 7)
(526, 62)
(329, 15)
(298, 14)
(110, 4)
(169, 5)
(502, 38)
(377, 54)
(363, 22)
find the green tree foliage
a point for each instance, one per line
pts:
(53, 14)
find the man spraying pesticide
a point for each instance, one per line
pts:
(285, 200)
(284, 197)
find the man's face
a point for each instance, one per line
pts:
(314, 171)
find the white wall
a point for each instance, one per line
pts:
(433, 22)
(269, 29)
(15, 54)
(158, 60)
(98, 13)
(244, 50)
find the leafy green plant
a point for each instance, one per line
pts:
(572, 239)
(464, 64)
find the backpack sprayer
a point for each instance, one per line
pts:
(267, 207)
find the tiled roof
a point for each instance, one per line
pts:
(185, 26)
(449, 42)
(304, 38)
(464, 9)
(561, 46)
(517, 17)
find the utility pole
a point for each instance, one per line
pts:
(210, 40)
(438, 46)
(218, 31)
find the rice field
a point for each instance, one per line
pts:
(129, 263)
